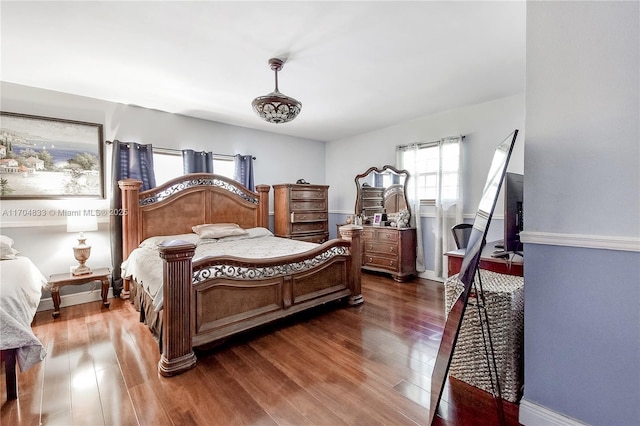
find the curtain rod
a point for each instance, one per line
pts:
(422, 144)
(178, 151)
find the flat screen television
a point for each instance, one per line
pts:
(513, 186)
(513, 212)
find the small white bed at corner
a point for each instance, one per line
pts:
(21, 286)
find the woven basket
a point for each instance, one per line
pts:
(504, 296)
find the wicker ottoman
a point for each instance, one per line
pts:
(504, 295)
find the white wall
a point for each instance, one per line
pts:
(484, 126)
(582, 219)
(582, 92)
(279, 159)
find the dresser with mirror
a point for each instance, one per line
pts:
(388, 241)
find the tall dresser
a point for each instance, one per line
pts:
(301, 212)
(388, 249)
(372, 200)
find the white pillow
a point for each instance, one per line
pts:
(6, 241)
(218, 230)
(7, 251)
(152, 242)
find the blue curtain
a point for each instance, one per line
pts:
(197, 162)
(243, 170)
(129, 160)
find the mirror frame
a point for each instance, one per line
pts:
(358, 205)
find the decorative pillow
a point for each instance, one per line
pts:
(218, 230)
(6, 248)
(250, 233)
(152, 242)
(259, 232)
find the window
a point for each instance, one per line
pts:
(425, 162)
(167, 164)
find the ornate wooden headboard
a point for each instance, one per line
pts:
(189, 200)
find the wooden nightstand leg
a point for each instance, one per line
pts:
(105, 292)
(55, 295)
(125, 293)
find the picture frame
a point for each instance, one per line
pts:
(50, 158)
(377, 219)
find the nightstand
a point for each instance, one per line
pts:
(56, 281)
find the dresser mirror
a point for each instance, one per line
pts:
(381, 191)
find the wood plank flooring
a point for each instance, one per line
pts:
(336, 365)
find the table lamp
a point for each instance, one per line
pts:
(82, 251)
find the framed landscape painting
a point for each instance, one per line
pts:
(42, 157)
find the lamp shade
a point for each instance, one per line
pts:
(82, 223)
(276, 107)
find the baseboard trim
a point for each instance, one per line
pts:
(74, 299)
(430, 275)
(583, 241)
(532, 414)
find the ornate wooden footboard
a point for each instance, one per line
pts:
(211, 299)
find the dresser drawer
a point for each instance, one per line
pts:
(383, 235)
(375, 248)
(306, 227)
(316, 238)
(306, 205)
(381, 261)
(368, 234)
(374, 234)
(372, 202)
(308, 217)
(308, 194)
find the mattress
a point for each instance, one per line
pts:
(21, 286)
(144, 264)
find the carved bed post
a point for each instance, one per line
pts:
(177, 346)
(130, 230)
(263, 212)
(352, 234)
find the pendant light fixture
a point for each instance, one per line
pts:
(276, 107)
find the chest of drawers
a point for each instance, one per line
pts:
(372, 200)
(301, 212)
(392, 250)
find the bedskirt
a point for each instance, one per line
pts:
(143, 303)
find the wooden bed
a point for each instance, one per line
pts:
(204, 303)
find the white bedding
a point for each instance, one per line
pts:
(145, 265)
(21, 286)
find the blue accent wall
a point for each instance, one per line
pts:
(582, 332)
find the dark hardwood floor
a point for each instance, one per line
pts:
(336, 365)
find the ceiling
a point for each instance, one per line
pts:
(355, 66)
